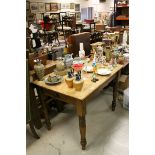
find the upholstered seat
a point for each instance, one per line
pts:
(89, 25)
(64, 28)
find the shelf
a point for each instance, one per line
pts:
(122, 5)
(122, 18)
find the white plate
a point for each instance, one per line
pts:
(88, 68)
(103, 71)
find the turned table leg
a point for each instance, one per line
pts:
(115, 91)
(47, 120)
(81, 112)
(82, 126)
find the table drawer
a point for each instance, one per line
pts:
(59, 96)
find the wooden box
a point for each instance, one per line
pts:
(42, 57)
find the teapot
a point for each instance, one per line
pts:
(68, 60)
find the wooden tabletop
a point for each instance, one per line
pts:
(88, 86)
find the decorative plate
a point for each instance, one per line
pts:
(59, 79)
(103, 71)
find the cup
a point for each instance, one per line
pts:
(78, 84)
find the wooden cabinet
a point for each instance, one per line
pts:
(121, 13)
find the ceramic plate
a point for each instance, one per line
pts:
(60, 78)
(103, 71)
(88, 69)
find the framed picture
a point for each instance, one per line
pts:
(34, 7)
(77, 7)
(78, 15)
(65, 6)
(59, 6)
(72, 5)
(41, 7)
(48, 7)
(54, 6)
(27, 6)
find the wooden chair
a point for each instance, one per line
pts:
(74, 41)
(67, 26)
(50, 29)
(29, 102)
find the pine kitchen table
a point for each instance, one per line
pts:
(79, 98)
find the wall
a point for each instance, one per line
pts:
(99, 7)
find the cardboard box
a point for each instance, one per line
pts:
(123, 82)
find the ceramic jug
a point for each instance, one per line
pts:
(60, 66)
(100, 58)
(68, 60)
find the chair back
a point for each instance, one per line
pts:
(68, 21)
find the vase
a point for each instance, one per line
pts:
(69, 81)
(78, 84)
(39, 70)
(108, 53)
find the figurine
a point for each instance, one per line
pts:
(100, 58)
(69, 79)
(78, 82)
(94, 79)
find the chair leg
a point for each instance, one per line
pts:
(57, 38)
(33, 130)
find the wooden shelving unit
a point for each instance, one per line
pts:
(121, 17)
(122, 5)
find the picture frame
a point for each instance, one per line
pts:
(77, 7)
(59, 6)
(78, 15)
(34, 7)
(47, 7)
(41, 7)
(72, 5)
(54, 6)
(65, 5)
